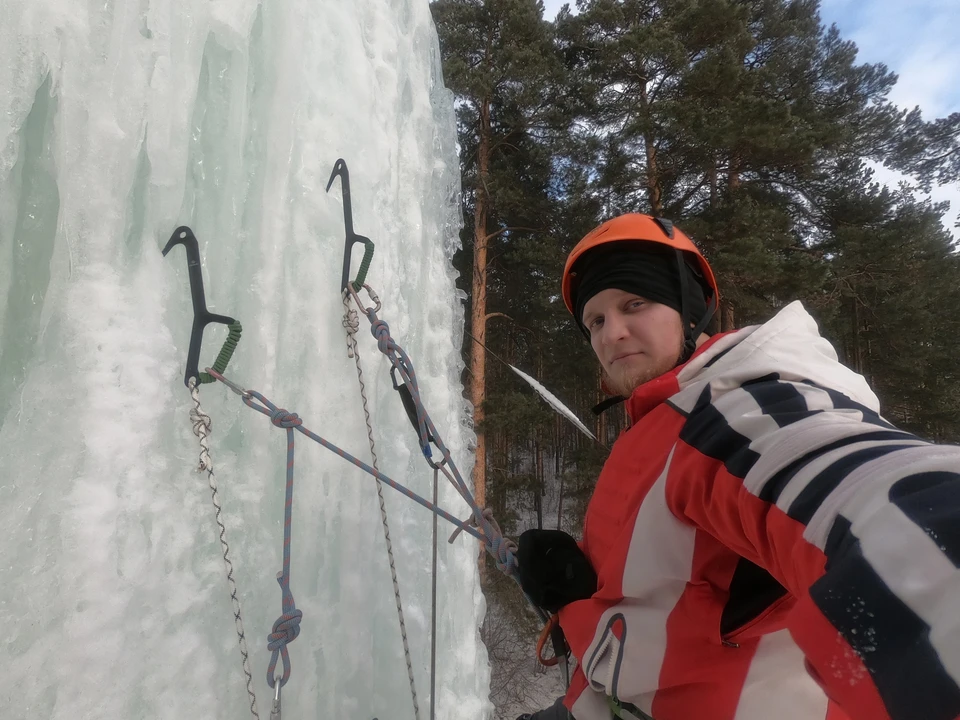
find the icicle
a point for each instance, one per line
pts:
(554, 402)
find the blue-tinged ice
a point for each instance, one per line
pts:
(120, 121)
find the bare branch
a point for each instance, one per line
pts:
(514, 228)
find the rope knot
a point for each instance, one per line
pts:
(381, 331)
(285, 630)
(503, 550)
(284, 419)
(201, 421)
(351, 319)
(351, 322)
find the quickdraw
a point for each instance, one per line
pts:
(404, 381)
(348, 287)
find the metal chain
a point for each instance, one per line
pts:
(351, 322)
(201, 428)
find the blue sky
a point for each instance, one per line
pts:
(917, 39)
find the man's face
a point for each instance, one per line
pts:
(635, 340)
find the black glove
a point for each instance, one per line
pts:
(553, 569)
(555, 712)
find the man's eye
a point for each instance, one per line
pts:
(595, 323)
(635, 303)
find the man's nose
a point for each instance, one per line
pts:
(614, 328)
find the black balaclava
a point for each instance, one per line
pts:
(648, 270)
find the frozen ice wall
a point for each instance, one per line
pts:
(119, 121)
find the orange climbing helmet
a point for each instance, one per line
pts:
(634, 226)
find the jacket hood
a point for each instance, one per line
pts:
(789, 344)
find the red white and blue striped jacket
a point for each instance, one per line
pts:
(768, 547)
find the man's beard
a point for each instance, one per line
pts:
(626, 382)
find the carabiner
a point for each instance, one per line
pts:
(275, 710)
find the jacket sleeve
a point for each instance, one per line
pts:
(858, 520)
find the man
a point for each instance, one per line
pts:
(761, 544)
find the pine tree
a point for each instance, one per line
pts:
(746, 121)
(499, 60)
(750, 124)
(721, 111)
(931, 151)
(893, 277)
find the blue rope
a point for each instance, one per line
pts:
(493, 540)
(269, 408)
(287, 627)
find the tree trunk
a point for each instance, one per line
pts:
(558, 466)
(539, 487)
(726, 317)
(478, 314)
(540, 470)
(733, 175)
(654, 186)
(560, 505)
(857, 345)
(712, 180)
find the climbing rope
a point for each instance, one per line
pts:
(351, 323)
(501, 549)
(201, 428)
(287, 626)
(492, 544)
(480, 525)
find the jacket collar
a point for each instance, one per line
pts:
(654, 392)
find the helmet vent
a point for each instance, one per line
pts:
(665, 225)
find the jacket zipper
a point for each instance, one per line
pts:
(729, 639)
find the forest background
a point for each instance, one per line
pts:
(752, 125)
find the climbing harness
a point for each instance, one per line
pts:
(480, 524)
